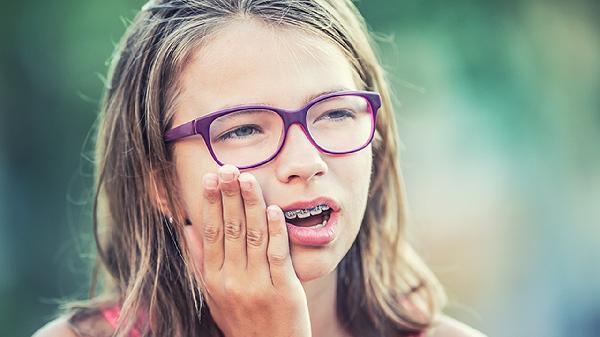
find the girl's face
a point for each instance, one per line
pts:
(248, 63)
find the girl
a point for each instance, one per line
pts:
(248, 182)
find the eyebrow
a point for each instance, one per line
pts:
(245, 113)
(306, 99)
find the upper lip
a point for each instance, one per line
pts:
(334, 205)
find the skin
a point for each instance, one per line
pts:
(247, 63)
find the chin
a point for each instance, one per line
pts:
(312, 263)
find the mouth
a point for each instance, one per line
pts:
(313, 222)
(313, 213)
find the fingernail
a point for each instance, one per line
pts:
(245, 181)
(226, 173)
(273, 213)
(210, 181)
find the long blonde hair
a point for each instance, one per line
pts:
(383, 286)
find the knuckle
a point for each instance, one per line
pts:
(276, 233)
(211, 196)
(211, 232)
(277, 259)
(233, 229)
(250, 200)
(230, 192)
(255, 237)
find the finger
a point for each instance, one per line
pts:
(256, 224)
(278, 250)
(234, 218)
(211, 228)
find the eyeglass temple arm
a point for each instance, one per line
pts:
(181, 131)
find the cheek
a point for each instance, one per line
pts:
(192, 162)
(354, 173)
(195, 246)
(354, 178)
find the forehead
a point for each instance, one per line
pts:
(248, 62)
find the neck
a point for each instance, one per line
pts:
(321, 297)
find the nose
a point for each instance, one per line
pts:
(299, 159)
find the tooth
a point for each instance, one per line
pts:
(324, 207)
(303, 214)
(315, 211)
(290, 214)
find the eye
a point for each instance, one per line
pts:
(240, 132)
(337, 115)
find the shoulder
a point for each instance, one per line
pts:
(60, 327)
(80, 323)
(449, 327)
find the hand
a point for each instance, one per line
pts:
(246, 271)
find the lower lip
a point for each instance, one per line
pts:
(314, 236)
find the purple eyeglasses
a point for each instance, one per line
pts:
(249, 136)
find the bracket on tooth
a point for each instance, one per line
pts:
(305, 213)
(316, 211)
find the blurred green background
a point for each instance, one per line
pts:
(499, 115)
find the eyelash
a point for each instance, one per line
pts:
(227, 136)
(346, 114)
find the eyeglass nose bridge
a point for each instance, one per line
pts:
(291, 117)
(294, 116)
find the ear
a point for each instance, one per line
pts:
(377, 140)
(155, 187)
(157, 193)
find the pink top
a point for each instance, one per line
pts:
(112, 316)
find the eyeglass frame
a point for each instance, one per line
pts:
(201, 125)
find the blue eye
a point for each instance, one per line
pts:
(337, 115)
(240, 132)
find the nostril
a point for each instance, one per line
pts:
(306, 175)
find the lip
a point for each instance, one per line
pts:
(334, 205)
(314, 237)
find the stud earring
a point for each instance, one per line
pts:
(171, 221)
